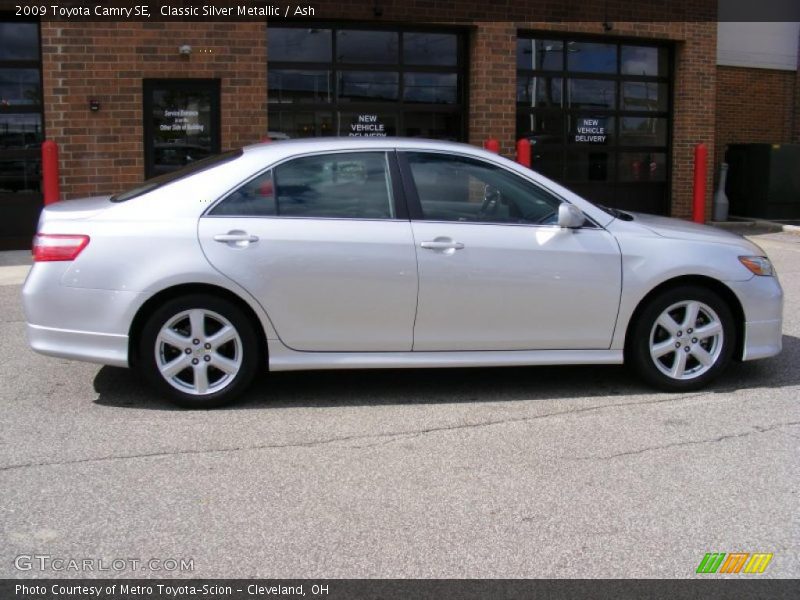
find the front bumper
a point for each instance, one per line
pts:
(762, 302)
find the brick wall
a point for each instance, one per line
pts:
(102, 152)
(754, 105)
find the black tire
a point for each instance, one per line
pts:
(244, 352)
(637, 351)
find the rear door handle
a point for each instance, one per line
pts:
(442, 245)
(236, 238)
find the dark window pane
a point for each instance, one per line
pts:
(545, 55)
(438, 126)
(591, 58)
(19, 41)
(541, 128)
(453, 188)
(590, 166)
(285, 124)
(430, 49)
(591, 93)
(643, 131)
(641, 60)
(642, 166)
(299, 44)
(640, 95)
(20, 131)
(20, 175)
(351, 185)
(549, 163)
(19, 87)
(372, 86)
(367, 124)
(370, 47)
(299, 86)
(539, 92)
(591, 130)
(430, 88)
(255, 198)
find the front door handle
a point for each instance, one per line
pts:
(442, 244)
(237, 238)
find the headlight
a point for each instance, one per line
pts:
(758, 265)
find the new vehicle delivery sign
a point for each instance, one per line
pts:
(590, 131)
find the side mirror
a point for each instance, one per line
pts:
(570, 216)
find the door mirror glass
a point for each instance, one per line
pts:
(570, 216)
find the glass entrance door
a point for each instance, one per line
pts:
(181, 123)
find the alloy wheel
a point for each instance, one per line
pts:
(198, 352)
(686, 340)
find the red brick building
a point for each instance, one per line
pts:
(613, 106)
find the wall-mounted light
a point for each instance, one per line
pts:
(94, 105)
(185, 50)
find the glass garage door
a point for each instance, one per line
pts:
(598, 115)
(347, 81)
(21, 133)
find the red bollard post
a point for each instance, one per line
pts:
(699, 192)
(524, 152)
(50, 185)
(492, 145)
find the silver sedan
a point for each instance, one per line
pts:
(380, 253)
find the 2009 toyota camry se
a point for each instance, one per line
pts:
(375, 253)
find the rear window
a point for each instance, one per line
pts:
(166, 178)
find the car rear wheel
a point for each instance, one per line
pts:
(683, 339)
(199, 351)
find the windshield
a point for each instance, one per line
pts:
(166, 178)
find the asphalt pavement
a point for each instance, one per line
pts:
(464, 473)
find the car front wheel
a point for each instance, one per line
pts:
(199, 351)
(683, 339)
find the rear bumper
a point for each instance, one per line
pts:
(103, 348)
(77, 323)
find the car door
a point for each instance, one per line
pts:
(319, 242)
(495, 271)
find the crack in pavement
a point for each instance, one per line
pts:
(755, 429)
(392, 436)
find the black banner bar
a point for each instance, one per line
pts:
(420, 11)
(714, 588)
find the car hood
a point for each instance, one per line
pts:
(684, 230)
(75, 210)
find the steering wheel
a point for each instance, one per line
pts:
(491, 199)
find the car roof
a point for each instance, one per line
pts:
(292, 147)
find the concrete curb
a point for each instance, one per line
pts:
(771, 226)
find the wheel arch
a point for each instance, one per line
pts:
(715, 285)
(176, 291)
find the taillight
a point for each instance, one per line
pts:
(50, 247)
